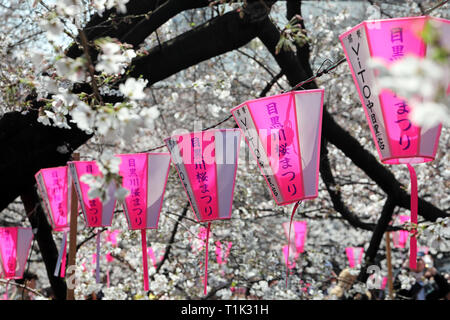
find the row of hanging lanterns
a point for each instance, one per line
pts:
(282, 131)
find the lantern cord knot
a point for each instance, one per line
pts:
(289, 239)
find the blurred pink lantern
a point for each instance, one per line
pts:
(96, 213)
(55, 193)
(283, 131)
(400, 237)
(300, 230)
(354, 255)
(15, 243)
(223, 251)
(145, 176)
(397, 139)
(207, 163)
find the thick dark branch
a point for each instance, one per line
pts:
(215, 37)
(378, 233)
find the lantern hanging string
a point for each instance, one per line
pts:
(206, 258)
(413, 209)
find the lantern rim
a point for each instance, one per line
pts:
(277, 95)
(413, 159)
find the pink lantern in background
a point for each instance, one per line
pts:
(96, 213)
(354, 255)
(145, 176)
(55, 193)
(284, 132)
(300, 230)
(15, 243)
(397, 139)
(207, 163)
(400, 237)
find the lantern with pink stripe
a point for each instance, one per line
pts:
(15, 243)
(283, 132)
(55, 193)
(96, 213)
(145, 176)
(354, 255)
(397, 139)
(400, 237)
(207, 163)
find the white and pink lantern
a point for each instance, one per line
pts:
(401, 237)
(207, 164)
(145, 176)
(96, 213)
(284, 134)
(354, 255)
(55, 192)
(397, 139)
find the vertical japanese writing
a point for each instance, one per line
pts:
(282, 147)
(135, 192)
(201, 175)
(365, 86)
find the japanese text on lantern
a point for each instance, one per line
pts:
(57, 192)
(201, 175)
(401, 107)
(282, 146)
(245, 119)
(365, 89)
(135, 191)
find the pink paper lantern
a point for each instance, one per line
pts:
(145, 176)
(354, 255)
(400, 237)
(397, 139)
(300, 230)
(55, 192)
(15, 243)
(95, 212)
(283, 132)
(206, 163)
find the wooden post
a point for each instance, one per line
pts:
(389, 265)
(72, 240)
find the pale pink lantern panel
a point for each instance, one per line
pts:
(15, 244)
(397, 140)
(206, 163)
(289, 257)
(294, 119)
(145, 176)
(354, 255)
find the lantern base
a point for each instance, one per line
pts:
(407, 160)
